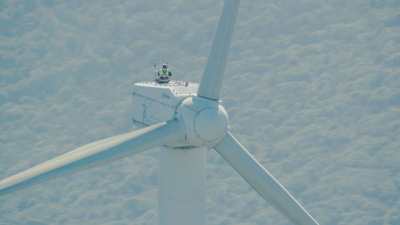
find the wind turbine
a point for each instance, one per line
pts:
(186, 119)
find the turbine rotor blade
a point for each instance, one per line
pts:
(262, 181)
(211, 81)
(116, 146)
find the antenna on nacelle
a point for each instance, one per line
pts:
(155, 71)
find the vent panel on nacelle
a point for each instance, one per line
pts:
(154, 102)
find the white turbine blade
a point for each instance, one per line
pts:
(120, 145)
(211, 81)
(262, 181)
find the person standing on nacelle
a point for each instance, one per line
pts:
(163, 74)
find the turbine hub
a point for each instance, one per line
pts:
(210, 124)
(205, 121)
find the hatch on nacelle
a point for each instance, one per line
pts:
(155, 102)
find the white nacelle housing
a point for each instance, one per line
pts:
(154, 102)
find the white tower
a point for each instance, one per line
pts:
(182, 191)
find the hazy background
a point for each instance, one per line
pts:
(312, 88)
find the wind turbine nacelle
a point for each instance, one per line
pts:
(158, 102)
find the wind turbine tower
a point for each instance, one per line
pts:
(185, 119)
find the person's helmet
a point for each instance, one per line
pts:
(164, 66)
